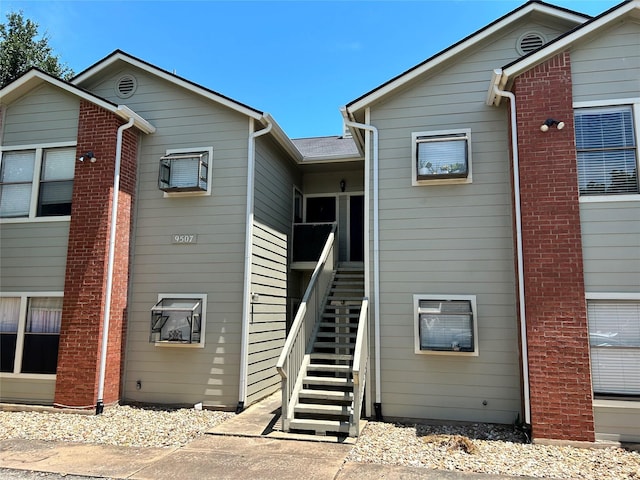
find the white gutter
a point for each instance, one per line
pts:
(376, 250)
(248, 254)
(497, 76)
(112, 248)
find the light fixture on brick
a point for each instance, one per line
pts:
(88, 156)
(550, 122)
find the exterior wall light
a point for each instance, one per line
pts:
(88, 156)
(550, 122)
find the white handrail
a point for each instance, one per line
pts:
(360, 364)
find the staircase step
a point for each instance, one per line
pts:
(333, 345)
(337, 335)
(328, 381)
(323, 367)
(341, 315)
(334, 298)
(330, 356)
(338, 325)
(319, 409)
(331, 395)
(320, 426)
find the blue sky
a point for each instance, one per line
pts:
(298, 60)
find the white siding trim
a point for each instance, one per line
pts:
(612, 296)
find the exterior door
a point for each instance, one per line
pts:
(356, 228)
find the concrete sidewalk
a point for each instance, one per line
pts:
(249, 446)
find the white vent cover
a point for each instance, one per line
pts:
(126, 86)
(529, 42)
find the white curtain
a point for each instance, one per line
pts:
(9, 313)
(44, 315)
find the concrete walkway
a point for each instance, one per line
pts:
(250, 446)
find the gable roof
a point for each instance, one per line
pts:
(120, 56)
(534, 6)
(35, 77)
(503, 76)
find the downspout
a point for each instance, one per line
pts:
(248, 254)
(376, 257)
(519, 253)
(112, 248)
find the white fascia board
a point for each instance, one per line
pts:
(565, 42)
(283, 139)
(119, 56)
(446, 55)
(139, 122)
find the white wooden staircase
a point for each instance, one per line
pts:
(324, 401)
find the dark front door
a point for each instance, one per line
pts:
(356, 228)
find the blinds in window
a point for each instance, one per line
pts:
(446, 325)
(607, 154)
(614, 334)
(442, 156)
(59, 164)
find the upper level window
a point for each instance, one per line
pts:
(441, 157)
(36, 182)
(186, 171)
(607, 151)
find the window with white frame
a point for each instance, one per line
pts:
(29, 334)
(442, 156)
(446, 324)
(606, 144)
(614, 336)
(179, 319)
(36, 182)
(186, 171)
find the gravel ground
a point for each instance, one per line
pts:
(478, 448)
(491, 449)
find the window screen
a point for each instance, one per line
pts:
(607, 153)
(442, 156)
(184, 172)
(9, 313)
(42, 335)
(446, 325)
(614, 335)
(56, 184)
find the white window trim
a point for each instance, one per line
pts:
(203, 320)
(440, 181)
(22, 320)
(634, 103)
(39, 151)
(416, 324)
(209, 172)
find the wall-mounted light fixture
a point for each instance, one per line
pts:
(343, 185)
(88, 156)
(550, 122)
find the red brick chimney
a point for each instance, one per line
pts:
(87, 255)
(557, 335)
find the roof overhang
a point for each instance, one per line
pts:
(34, 78)
(468, 42)
(503, 77)
(120, 56)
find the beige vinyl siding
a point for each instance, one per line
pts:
(213, 265)
(617, 420)
(608, 67)
(611, 246)
(46, 115)
(449, 239)
(34, 256)
(267, 325)
(39, 391)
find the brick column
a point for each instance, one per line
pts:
(557, 336)
(87, 256)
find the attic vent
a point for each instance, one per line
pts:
(529, 42)
(126, 86)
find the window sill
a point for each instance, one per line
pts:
(167, 343)
(61, 218)
(622, 403)
(609, 198)
(29, 376)
(441, 181)
(447, 352)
